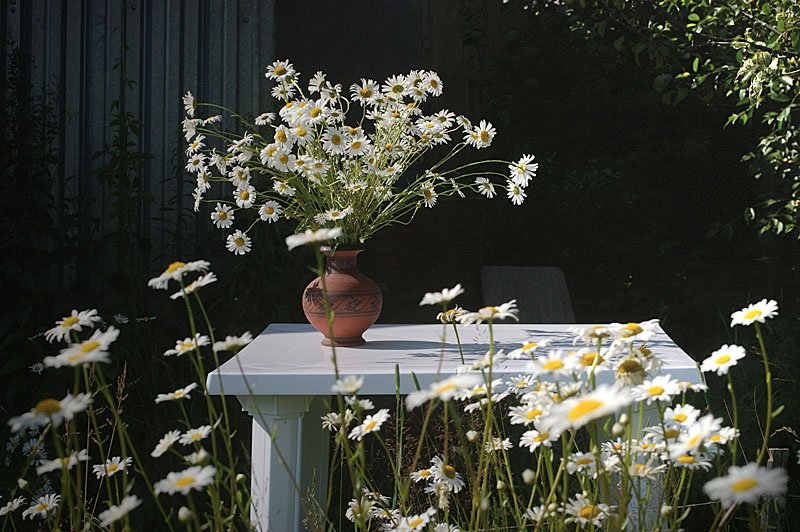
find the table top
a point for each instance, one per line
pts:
(288, 359)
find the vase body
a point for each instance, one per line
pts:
(354, 298)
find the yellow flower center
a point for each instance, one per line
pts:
(280, 135)
(723, 359)
(427, 194)
(671, 433)
(315, 112)
(590, 511)
(630, 366)
(444, 388)
(175, 266)
(425, 473)
(239, 241)
(245, 195)
(752, 314)
(41, 507)
(395, 114)
(694, 440)
(335, 214)
(178, 394)
(371, 425)
(655, 390)
(197, 436)
(47, 407)
(75, 358)
(539, 438)
(69, 322)
(686, 459)
(715, 437)
(631, 329)
(584, 408)
(300, 131)
(397, 89)
(336, 140)
(365, 92)
(433, 83)
(414, 523)
(356, 145)
(680, 417)
(583, 461)
(484, 136)
(552, 365)
(449, 471)
(533, 414)
(188, 480)
(89, 346)
(280, 70)
(271, 151)
(65, 461)
(588, 359)
(111, 468)
(283, 158)
(530, 345)
(744, 485)
(269, 210)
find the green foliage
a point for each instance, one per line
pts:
(738, 50)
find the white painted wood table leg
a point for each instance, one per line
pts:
(290, 459)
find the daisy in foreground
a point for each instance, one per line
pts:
(313, 237)
(196, 478)
(746, 484)
(578, 411)
(759, 312)
(74, 322)
(722, 359)
(372, 423)
(115, 513)
(43, 506)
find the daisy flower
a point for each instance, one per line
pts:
(444, 390)
(557, 362)
(481, 136)
(692, 462)
(12, 506)
(498, 444)
(422, 474)
(491, 313)
(195, 477)
(523, 170)
(74, 322)
(432, 83)
(313, 237)
(515, 193)
(196, 163)
(446, 473)
(175, 272)
(280, 70)
(115, 513)
(527, 349)
(661, 388)
(189, 103)
(358, 145)
(265, 118)
(525, 414)
(334, 421)
(696, 435)
(348, 385)
(759, 312)
(95, 349)
(232, 343)
(67, 462)
(722, 359)
(582, 511)
(429, 197)
(415, 522)
(187, 344)
(485, 187)
(51, 411)
(629, 332)
(576, 412)
(537, 437)
(194, 435)
(333, 215)
(682, 415)
(245, 197)
(443, 297)
(270, 211)
(582, 463)
(238, 242)
(181, 393)
(333, 141)
(165, 443)
(203, 280)
(43, 506)
(240, 176)
(372, 423)
(112, 466)
(395, 87)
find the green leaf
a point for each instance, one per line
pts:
(694, 17)
(695, 64)
(777, 411)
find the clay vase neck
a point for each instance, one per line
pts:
(353, 297)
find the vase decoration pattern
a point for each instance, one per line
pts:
(354, 298)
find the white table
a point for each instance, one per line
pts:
(283, 380)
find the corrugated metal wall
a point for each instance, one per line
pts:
(217, 49)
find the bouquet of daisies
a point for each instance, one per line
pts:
(332, 159)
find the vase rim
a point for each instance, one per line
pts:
(342, 250)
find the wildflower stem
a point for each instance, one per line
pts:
(768, 378)
(734, 416)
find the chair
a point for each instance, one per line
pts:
(541, 292)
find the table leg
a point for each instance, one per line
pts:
(289, 461)
(651, 491)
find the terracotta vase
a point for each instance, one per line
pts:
(354, 298)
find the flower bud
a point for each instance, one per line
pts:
(184, 514)
(241, 477)
(472, 435)
(22, 483)
(552, 507)
(528, 476)
(501, 485)
(666, 510)
(617, 429)
(623, 419)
